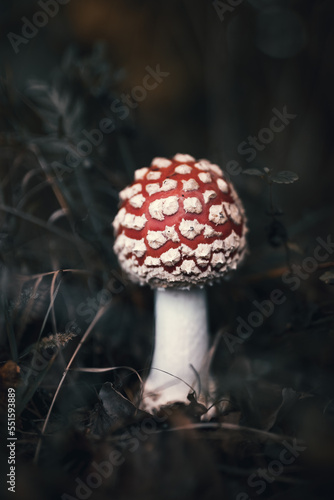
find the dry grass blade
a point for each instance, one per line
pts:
(103, 370)
(26, 396)
(58, 214)
(264, 435)
(28, 308)
(63, 203)
(10, 333)
(41, 223)
(51, 181)
(33, 191)
(98, 315)
(50, 273)
(173, 376)
(53, 295)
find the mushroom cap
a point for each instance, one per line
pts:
(180, 224)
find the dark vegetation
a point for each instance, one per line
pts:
(76, 335)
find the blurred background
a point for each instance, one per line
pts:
(92, 90)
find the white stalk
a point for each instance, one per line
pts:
(181, 341)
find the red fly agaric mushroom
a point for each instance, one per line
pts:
(180, 225)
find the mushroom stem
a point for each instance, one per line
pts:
(181, 344)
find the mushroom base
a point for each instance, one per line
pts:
(181, 346)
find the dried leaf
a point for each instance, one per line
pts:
(9, 374)
(284, 177)
(253, 171)
(112, 410)
(328, 277)
(294, 247)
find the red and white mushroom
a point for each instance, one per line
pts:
(180, 226)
